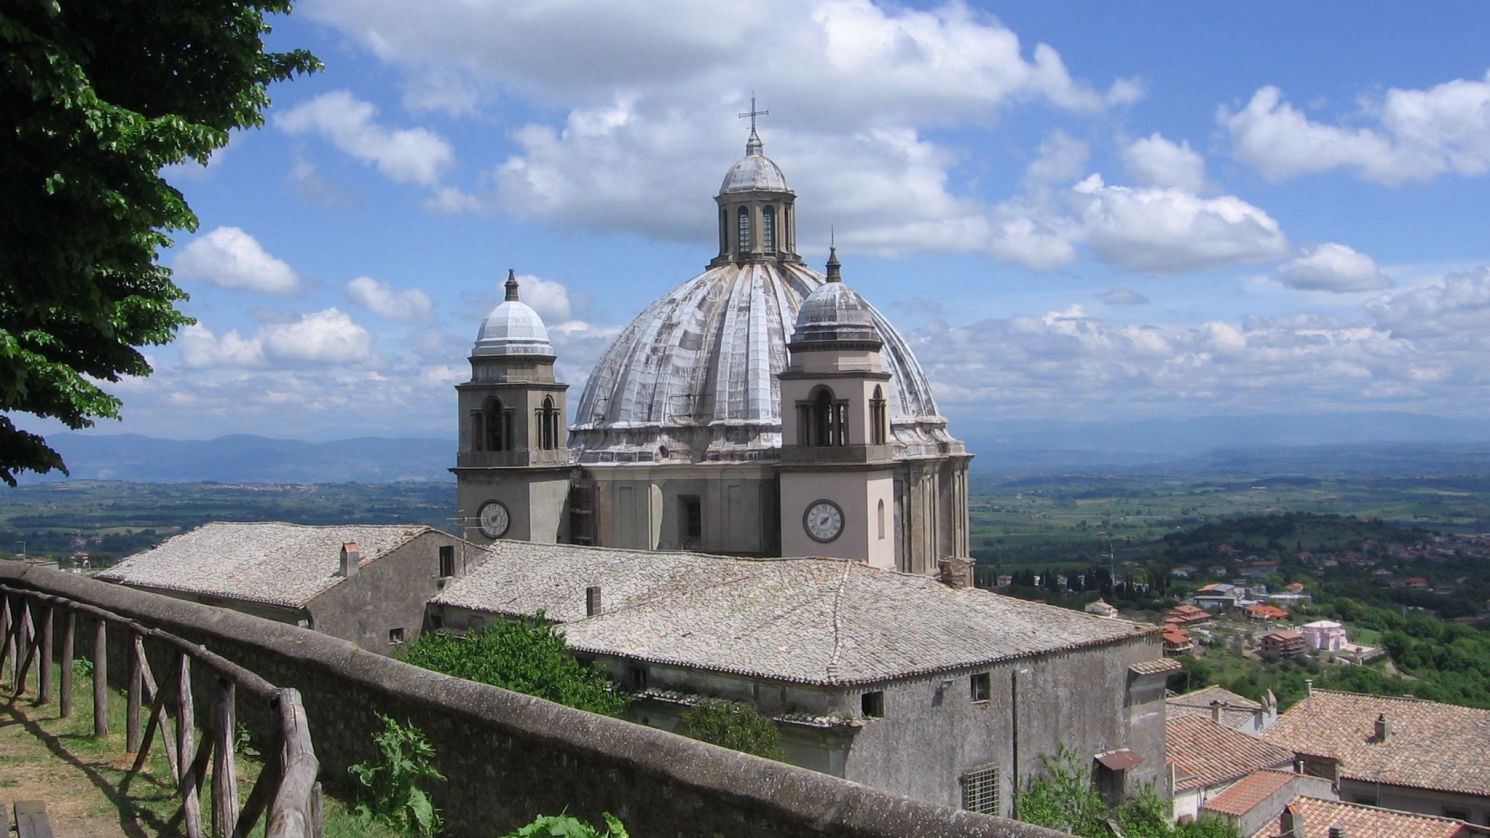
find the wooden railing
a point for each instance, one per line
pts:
(286, 791)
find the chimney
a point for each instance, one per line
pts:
(955, 572)
(1216, 708)
(592, 600)
(1308, 686)
(350, 555)
(1383, 730)
(1292, 825)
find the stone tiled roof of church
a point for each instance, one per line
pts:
(1317, 816)
(270, 562)
(1238, 712)
(1207, 754)
(805, 620)
(1428, 745)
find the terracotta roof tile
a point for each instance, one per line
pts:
(1209, 753)
(1429, 745)
(1361, 822)
(1248, 792)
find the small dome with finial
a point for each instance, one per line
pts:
(835, 313)
(513, 327)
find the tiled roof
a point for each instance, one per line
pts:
(1239, 710)
(807, 620)
(272, 563)
(1248, 792)
(1361, 822)
(1208, 753)
(1429, 745)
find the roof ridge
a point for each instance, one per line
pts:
(838, 621)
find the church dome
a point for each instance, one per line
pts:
(512, 328)
(755, 172)
(835, 313)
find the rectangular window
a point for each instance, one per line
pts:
(980, 688)
(395, 637)
(636, 677)
(447, 560)
(872, 705)
(690, 518)
(980, 790)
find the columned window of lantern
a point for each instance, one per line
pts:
(768, 229)
(745, 243)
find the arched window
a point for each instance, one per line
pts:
(823, 417)
(877, 411)
(744, 223)
(768, 229)
(879, 517)
(548, 425)
(498, 422)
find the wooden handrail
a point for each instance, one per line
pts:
(288, 781)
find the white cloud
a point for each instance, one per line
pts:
(1411, 135)
(231, 258)
(1155, 161)
(323, 338)
(1123, 297)
(1170, 231)
(449, 200)
(1333, 267)
(409, 306)
(547, 297)
(1059, 158)
(405, 155)
(1456, 307)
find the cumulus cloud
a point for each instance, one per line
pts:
(408, 306)
(1059, 158)
(231, 258)
(1157, 162)
(328, 337)
(1333, 267)
(1409, 135)
(547, 297)
(1456, 306)
(405, 155)
(1165, 231)
(1123, 297)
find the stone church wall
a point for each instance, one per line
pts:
(509, 757)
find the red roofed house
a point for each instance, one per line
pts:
(1177, 641)
(1256, 801)
(1284, 644)
(1207, 757)
(1309, 817)
(1264, 612)
(1400, 753)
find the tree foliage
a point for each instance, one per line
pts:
(1065, 799)
(95, 98)
(733, 725)
(526, 655)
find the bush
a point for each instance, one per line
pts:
(525, 655)
(732, 725)
(391, 794)
(565, 826)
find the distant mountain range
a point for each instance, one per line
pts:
(1353, 443)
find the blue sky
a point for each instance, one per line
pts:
(1071, 210)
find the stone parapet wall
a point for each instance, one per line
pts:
(510, 757)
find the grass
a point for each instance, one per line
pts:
(87, 778)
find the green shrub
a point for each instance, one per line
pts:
(565, 826)
(390, 792)
(732, 725)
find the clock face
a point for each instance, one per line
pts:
(494, 519)
(823, 520)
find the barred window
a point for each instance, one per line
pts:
(980, 790)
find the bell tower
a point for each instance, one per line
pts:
(512, 468)
(837, 479)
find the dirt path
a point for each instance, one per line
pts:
(57, 761)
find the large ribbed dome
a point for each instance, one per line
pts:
(695, 373)
(512, 328)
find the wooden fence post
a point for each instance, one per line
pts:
(136, 688)
(224, 771)
(44, 694)
(7, 644)
(101, 679)
(185, 737)
(69, 628)
(25, 645)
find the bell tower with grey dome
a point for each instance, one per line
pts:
(512, 469)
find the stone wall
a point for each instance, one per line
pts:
(510, 757)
